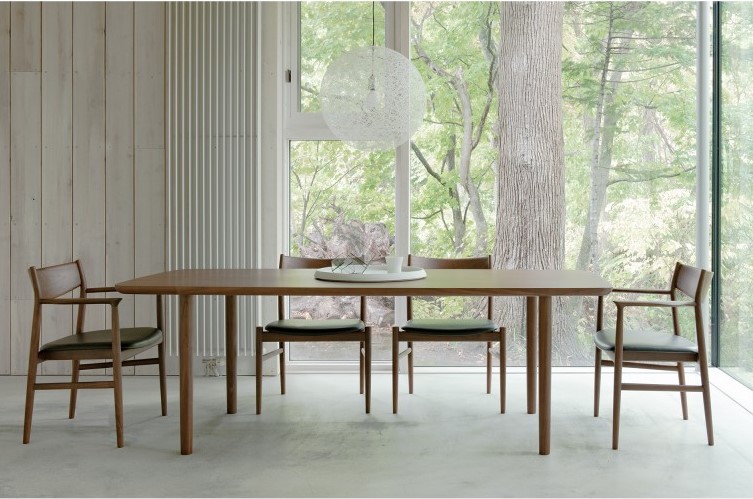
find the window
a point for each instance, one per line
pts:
(629, 90)
(736, 272)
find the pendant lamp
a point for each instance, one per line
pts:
(373, 98)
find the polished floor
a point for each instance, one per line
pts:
(448, 441)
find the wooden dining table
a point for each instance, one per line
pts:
(538, 286)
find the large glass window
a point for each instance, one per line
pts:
(736, 272)
(629, 93)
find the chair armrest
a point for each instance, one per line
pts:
(652, 303)
(642, 291)
(105, 289)
(82, 301)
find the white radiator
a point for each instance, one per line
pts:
(210, 155)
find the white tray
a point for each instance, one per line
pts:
(373, 273)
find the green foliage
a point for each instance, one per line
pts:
(633, 60)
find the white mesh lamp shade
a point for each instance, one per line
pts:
(373, 98)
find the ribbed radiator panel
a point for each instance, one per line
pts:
(210, 193)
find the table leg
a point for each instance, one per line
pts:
(545, 373)
(185, 303)
(231, 352)
(531, 343)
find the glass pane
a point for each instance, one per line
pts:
(736, 273)
(328, 30)
(629, 125)
(452, 174)
(629, 89)
(342, 202)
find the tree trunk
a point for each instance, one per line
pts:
(531, 185)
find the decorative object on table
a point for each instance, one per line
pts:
(350, 264)
(643, 348)
(394, 264)
(373, 98)
(373, 273)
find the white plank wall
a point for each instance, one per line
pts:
(210, 156)
(57, 157)
(25, 169)
(82, 156)
(5, 350)
(149, 166)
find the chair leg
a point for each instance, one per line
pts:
(683, 395)
(31, 379)
(597, 381)
(395, 360)
(361, 355)
(162, 377)
(281, 345)
(117, 378)
(616, 401)
(367, 369)
(488, 367)
(259, 355)
(707, 401)
(502, 370)
(410, 367)
(74, 392)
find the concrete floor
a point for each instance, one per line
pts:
(447, 441)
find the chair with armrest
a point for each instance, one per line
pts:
(433, 330)
(643, 349)
(285, 331)
(114, 345)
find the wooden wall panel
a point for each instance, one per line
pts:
(5, 337)
(57, 160)
(149, 179)
(119, 154)
(25, 171)
(82, 163)
(26, 45)
(89, 147)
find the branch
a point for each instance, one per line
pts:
(652, 177)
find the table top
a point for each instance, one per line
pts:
(301, 282)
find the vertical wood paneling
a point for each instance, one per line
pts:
(26, 44)
(210, 131)
(82, 167)
(119, 152)
(25, 170)
(57, 166)
(5, 339)
(149, 182)
(89, 147)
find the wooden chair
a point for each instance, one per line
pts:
(449, 329)
(49, 284)
(641, 349)
(304, 330)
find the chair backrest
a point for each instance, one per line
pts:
(297, 262)
(52, 282)
(56, 280)
(478, 262)
(691, 281)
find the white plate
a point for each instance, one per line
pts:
(373, 273)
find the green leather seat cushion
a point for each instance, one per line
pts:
(450, 326)
(315, 326)
(132, 337)
(645, 341)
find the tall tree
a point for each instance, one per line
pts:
(530, 183)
